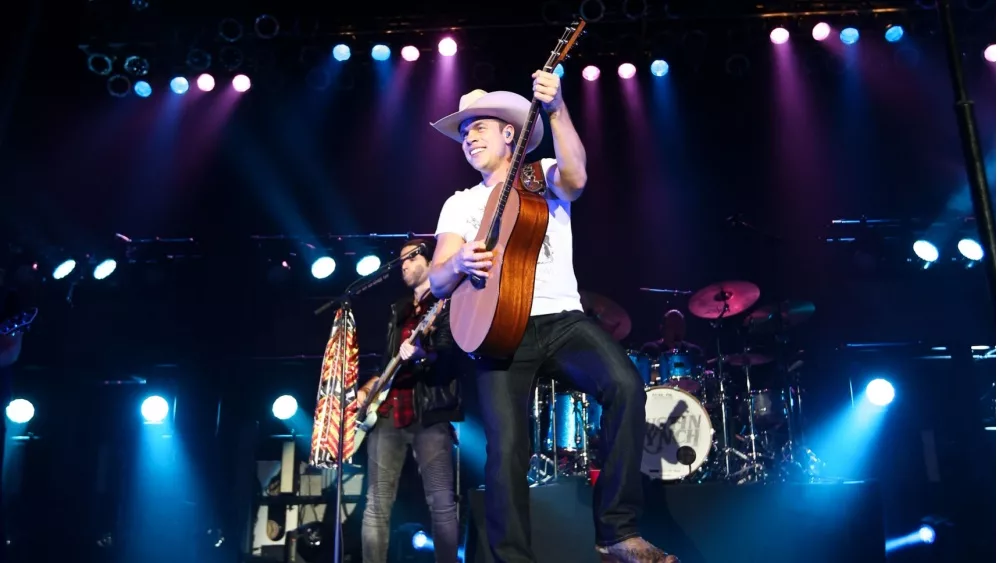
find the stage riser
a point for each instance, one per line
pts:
(711, 523)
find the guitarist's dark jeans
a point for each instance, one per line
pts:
(576, 351)
(387, 450)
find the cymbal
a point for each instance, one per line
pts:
(743, 359)
(608, 314)
(792, 313)
(723, 299)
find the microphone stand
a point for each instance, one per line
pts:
(974, 167)
(343, 302)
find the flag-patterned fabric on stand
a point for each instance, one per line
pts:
(340, 367)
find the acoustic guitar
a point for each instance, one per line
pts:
(368, 411)
(489, 316)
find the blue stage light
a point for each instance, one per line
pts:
(970, 249)
(849, 36)
(142, 89)
(381, 52)
(368, 265)
(154, 409)
(422, 542)
(893, 34)
(104, 269)
(179, 85)
(880, 392)
(64, 269)
(20, 411)
(284, 407)
(659, 67)
(926, 251)
(341, 52)
(323, 267)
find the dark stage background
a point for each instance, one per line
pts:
(209, 187)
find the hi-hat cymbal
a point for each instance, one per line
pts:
(723, 299)
(790, 313)
(608, 314)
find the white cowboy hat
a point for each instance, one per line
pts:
(508, 106)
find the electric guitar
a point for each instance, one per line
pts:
(489, 316)
(368, 411)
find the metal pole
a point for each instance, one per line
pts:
(976, 170)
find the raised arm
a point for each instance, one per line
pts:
(569, 176)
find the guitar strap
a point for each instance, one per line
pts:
(340, 370)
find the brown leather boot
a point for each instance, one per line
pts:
(634, 550)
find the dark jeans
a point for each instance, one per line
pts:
(584, 356)
(432, 448)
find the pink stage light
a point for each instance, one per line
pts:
(448, 47)
(779, 35)
(410, 53)
(626, 70)
(821, 31)
(991, 53)
(241, 83)
(591, 73)
(206, 82)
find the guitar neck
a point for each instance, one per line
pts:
(387, 375)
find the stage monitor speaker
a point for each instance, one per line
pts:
(710, 523)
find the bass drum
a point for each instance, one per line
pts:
(679, 434)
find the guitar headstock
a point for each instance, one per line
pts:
(431, 315)
(568, 40)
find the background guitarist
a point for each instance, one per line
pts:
(423, 402)
(559, 337)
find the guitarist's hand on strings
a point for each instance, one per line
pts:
(474, 259)
(409, 351)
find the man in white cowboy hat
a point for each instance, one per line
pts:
(559, 336)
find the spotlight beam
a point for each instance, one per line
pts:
(974, 165)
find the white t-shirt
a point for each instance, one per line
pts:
(555, 281)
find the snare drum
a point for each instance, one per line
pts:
(679, 369)
(643, 364)
(674, 419)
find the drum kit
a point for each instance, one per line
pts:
(735, 417)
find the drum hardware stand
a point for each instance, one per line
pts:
(583, 405)
(723, 399)
(539, 464)
(754, 464)
(555, 430)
